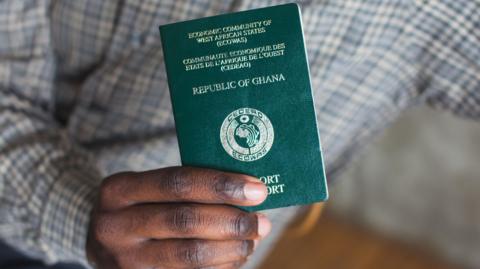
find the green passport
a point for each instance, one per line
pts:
(242, 100)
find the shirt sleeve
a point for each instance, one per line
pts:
(47, 183)
(450, 56)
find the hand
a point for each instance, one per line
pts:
(176, 217)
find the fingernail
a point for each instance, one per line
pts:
(253, 179)
(255, 243)
(255, 191)
(264, 225)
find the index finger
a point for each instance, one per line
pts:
(182, 184)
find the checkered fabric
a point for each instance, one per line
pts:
(83, 94)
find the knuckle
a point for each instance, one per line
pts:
(134, 220)
(226, 187)
(114, 184)
(244, 225)
(185, 219)
(179, 183)
(103, 228)
(106, 187)
(194, 253)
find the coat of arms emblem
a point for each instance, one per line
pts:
(247, 134)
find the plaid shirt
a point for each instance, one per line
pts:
(83, 93)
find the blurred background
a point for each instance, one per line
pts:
(412, 200)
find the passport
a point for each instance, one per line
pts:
(242, 100)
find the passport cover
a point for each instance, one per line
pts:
(242, 100)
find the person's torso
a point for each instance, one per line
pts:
(112, 83)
